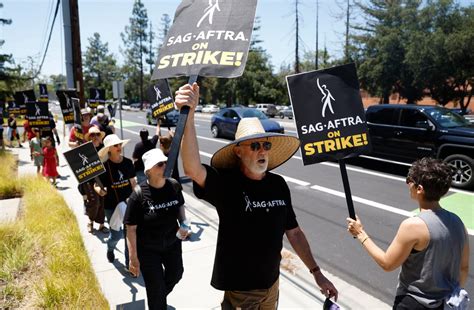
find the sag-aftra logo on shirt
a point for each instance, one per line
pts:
(254, 204)
(152, 208)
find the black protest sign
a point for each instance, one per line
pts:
(207, 38)
(65, 102)
(329, 114)
(13, 108)
(2, 109)
(43, 90)
(96, 97)
(37, 113)
(84, 162)
(77, 119)
(159, 95)
(22, 98)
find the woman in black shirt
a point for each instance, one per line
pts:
(153, 232)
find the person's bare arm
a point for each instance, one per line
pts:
(464, 262)
(189, 95)
(300, 244)
(134, 265)
(401, 246)
(133, 182)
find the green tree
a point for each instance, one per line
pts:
(136, 50)
(381, 44)
(441, 52)
(100, 66)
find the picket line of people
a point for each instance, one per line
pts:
(238, 182)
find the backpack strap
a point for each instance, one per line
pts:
(176, 185)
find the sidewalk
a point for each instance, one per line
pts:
(194, 290)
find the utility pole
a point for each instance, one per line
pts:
(72, 41)
(347, 32)
(297, 59)
(316, 56)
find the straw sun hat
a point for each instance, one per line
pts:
(283, 146)
(94, 129)
(110, 141)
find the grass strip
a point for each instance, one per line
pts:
(45, 244)
(9, 184)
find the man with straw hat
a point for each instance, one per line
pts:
(254, 208)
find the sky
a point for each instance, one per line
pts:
(31, 19)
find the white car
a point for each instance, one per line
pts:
(210, 108)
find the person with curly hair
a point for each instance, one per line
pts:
(432, 247)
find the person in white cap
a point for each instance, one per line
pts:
(118, 183)
(153, 233)
(254, 208)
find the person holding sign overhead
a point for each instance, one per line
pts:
(254, 207)
(118, 183)
(432, 247)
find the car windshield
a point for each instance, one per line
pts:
(253, 113)
(447, 118)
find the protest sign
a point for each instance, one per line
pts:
(330, 118)
(207, 38)
(37, 113)
(43, 90)
(77, 119)
(22, 98)
(2, 109)
(159, 96)
(13, 108)
(84, 162)
(65, 102)
(96, 97)
(329, 114)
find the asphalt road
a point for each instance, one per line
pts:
(380, 196)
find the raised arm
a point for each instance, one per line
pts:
(189, 95)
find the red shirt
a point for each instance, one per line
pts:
(72, 134)
(29, 133)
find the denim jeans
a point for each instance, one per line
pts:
(115, 236)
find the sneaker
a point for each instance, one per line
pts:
(110, 256)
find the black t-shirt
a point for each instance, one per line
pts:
(155, 215)
(140, 149)
(253, 216)
(117, 180)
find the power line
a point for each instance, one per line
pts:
(49, 39)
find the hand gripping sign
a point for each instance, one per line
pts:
(65, 101)
(208, 38)
(330, 117)
(159, 96)
(84, 162)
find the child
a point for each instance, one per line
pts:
(50, 161)
(36, 150)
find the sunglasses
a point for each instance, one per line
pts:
(255, 146)
(94, 135)
(160, 164)
(117, 145)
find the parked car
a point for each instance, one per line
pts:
(210, 108)
(407, 132)
(170, 119)
(285, 112)
(225, 122)
(269, 109)
(198, 108)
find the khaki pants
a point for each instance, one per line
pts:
(266, 299)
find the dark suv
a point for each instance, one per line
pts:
(408, 132)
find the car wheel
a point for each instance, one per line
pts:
(282, 116)
(215, 131)
(463, 170)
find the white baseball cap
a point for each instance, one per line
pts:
(152, 157)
